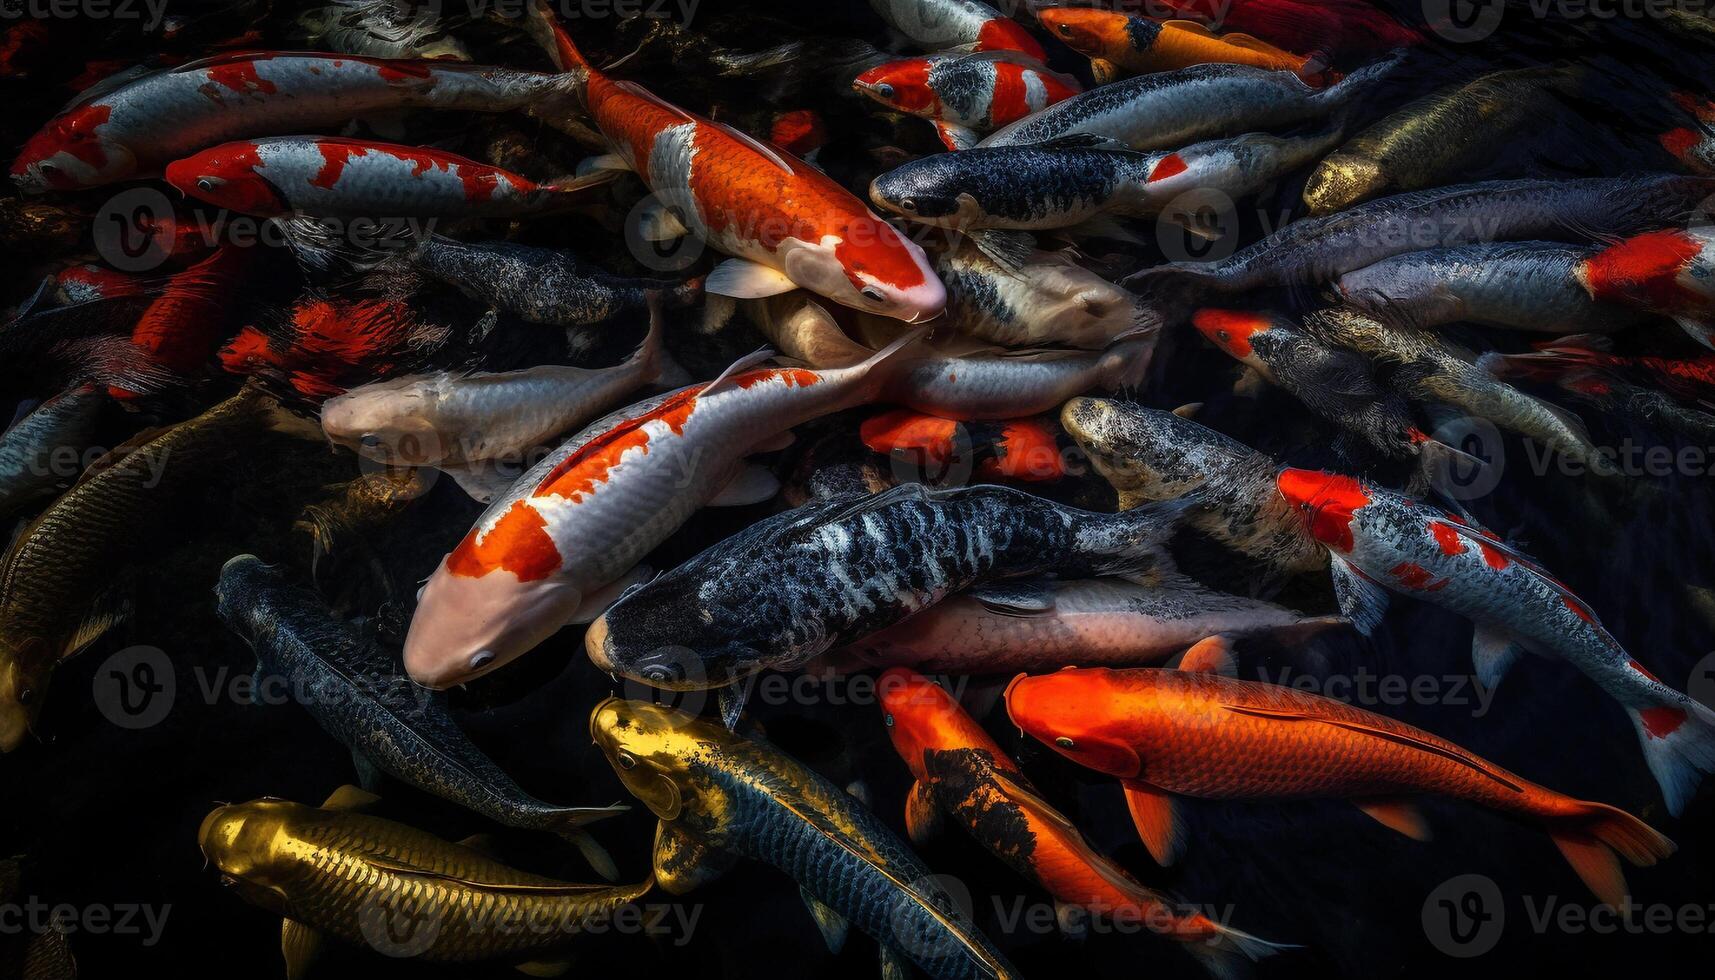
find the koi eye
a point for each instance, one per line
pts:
(1065, 30)
(884, 90)
(888, 720)
(908, 204)
(873, 294)
(481, 659)
(26, 695)
(228, 880)
(207, 184)
(1063, 742)
(369, 441)
(626, 761)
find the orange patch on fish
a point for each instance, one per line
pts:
(1448, 538)
(1230, 330)
(1494, 557)
(1642, 269)
(1415, 576)
(1661, 722)
(1169, 165)
(518, 543)
(1328, 499)
(589, 466)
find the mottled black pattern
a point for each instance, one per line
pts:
(541, 285)
(962, 784)
(1315, 250)
(803, 582)
(1027, 185)
(361, 696)
(1142, 32)
(971, 295)
(1645, 405)
(1339, 385)
(961, 84)
(762, 829)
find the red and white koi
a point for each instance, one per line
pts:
(562, 544)
(786, 224)
(940, 25)
(136, 126)
(1379, 539)
(333, 177)
(1670, 272)
(966, 96)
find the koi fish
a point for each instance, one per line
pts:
(939, 25)
(1431, 369)
(30, 446)
(321, 346)
(967, 95)
(565, 540)
(786, 224)
(1670, 272)
(1439, 139)
(1517, 285)
(539, 285)
(450, 418)
(796, 585)
(1168, 110)
(962, 775)
(1378, 539)
(1046, 624)
(1343, 28)
(1691, 378)
(1015, 449)
(326, 869)
(137, 125)
(332, 177)
(1048, 299)
(1150, 455)
(721, 798)
(1630, 401)
(1172, 733)
(1119, 44)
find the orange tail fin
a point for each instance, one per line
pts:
(1594, 841)
(551, 34)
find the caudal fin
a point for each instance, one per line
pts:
(1229, 953)
(1678, 737)
(1594, 842)
(546, 30)
(1134, 542)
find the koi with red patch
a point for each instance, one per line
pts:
(141, 125)
(1671, 272)
(1017, 449)
(182, 325)
(560, 545)
(1379, 539)
(1343, 28)
(961, 774)
(322, 346)
(333, 177)
(1692, 378)
(939, 25)
(786, 224)
(1171, 733)
(966, 96)
(1120, 44)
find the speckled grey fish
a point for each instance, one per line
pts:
(1042, 624)
(1173, 108)
(1149, 455)
(539, 285)
(1516, 285)
(1430, 369)
(1640, 404)
(1317, 250)
(1048, 299)
(360, 696)
(787, 589)
(43, 452)
(721, 797)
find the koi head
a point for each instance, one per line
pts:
(248, 843)
(71, 152)
(474, 617)
(1145, 454)
(868, 265)
(386, 422)
(26, 664)
(645, 640)
(922, 717)
(1238, 332)
(936, 189)
(901, 85)
(1342, 180)
(1327, 503)
(1081, 714)
(653, 750)
(1088, 31)
(227, 176)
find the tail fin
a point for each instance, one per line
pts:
(546, 29)
(1678, 737)
(1134, 542)
(569, 824)
(1698, 329)
(1594, 841)
(1229, 953)
(1356, 83)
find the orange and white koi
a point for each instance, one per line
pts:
(1378, 539)
(967, 95)
(1173, 733)
(940, 25)
(333, 177)
(560, 545)
(1136, 45)
(962, 775)
(137, 126)
(1015, 449)
(786, 224)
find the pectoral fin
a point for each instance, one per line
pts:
(922, 816)
(1397, 815)
(596, 602)
(744, 279)
(956, 137)
(1361, 600)
(683, 863)
(657, 222)
(752, 485)
(1492, 652)
(349, 797)
(1157, 820)
(831, 923)
(1210, 655)
(301, 946)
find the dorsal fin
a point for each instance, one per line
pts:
(1402, 738)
